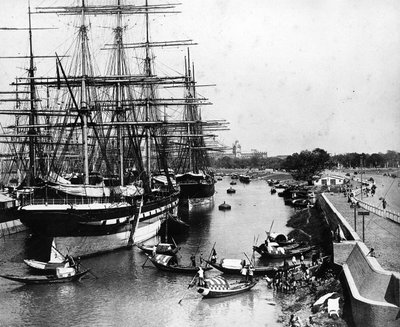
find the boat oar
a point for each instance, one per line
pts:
(190, 284)
(174, 242)
(209, 257)
(145, 260)
(272, 224)
(92, 273)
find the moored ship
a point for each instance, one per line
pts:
(107, 123)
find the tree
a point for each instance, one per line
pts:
(305, 165)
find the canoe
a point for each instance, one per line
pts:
(48, 266)
(46, 279)
(219, 287)
(258, 270)
(163, 262)
(161, 248)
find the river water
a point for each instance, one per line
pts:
(125, 294)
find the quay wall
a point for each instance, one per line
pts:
(374, 292)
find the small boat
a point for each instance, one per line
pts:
(219, 287)
(230, 190)
(301, 203)
(161, 248)
(64, 275)
(281, 239)
(244, 178)
(279, 252)
(234, 266)
(169, 263)
(57, 260)
(224, 206)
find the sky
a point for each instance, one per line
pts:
(290, 75)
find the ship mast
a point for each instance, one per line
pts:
(120, 112)
(32, 116)
(188, 95)
(83, 104)
(148, 95)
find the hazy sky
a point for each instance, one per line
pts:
(290, 75)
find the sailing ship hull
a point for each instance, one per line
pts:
(89, 229)
(151, 218)
(196, 190)
(84, 246)
(195, 195)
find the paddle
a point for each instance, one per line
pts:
(176, 246)
(179, 302)
(88, 270)
(272, 224)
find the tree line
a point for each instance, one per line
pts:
(306, 164)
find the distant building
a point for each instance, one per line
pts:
(237, 149)
(329, 180)
(260, 154)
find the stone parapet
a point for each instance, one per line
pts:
(374, 292)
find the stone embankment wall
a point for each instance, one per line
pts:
(374, 292)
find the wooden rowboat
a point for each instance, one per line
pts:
(219, 287)
(46, 279)
(161, 248)
(164, 262)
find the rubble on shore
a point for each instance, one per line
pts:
(310, 226)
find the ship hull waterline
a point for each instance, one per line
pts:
(83, 231)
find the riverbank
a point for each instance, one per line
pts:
(310, 225)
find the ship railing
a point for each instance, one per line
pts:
(67, 201)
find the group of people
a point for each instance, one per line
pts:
(290, 278)
(247, 273)
(213, 258)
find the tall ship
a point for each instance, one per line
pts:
(191, 162)
(94, 143)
